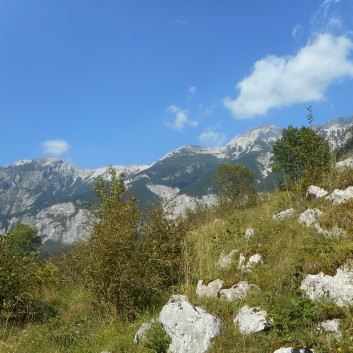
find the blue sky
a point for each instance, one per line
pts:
(100, 82)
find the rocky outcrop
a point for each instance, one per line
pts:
(316, 192)
(330, 327)
(340, 196)
(338, 288)
(309, 216)
(294, 350)
(249, 233)
(190, 328)
(252, 320)
(209, 290)
(237, 291)
(248, 265)
(290, 212)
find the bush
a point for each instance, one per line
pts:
(19, 274)
(130, 257)
(235, 185)
(301, 156)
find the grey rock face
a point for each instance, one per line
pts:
(347, 163)
(190, 327)
(330, 327)
(340, 196)
(309, 216)
(237, 291)
(290, 212)
(316, 192)
(210, 290)
(339, 288)
(252, 320)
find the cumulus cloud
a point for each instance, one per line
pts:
(283, 81)
(55, 147)
(181, 119)
(212, 138)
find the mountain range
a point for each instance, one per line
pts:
(50, 193)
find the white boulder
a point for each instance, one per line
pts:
(309, 216)
(251, 320)
(210, 290)
(237, 291)
(284, 214)
(330, 327)
(340, 196)
(294, 350)
(225, 260)
(191, 328)
(339, 288)
(248, 265)
(249, 233)
(316, 192)
(347, 163)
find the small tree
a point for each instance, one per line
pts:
(301, 156)
(130, 258)
(19, 269)
(235, 185)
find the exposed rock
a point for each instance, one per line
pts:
(339, 288)
(316, 192)
(210, 290)
(331, 327)
(253, 260)
(251, 320)
(225, 261)
(347, 163)
(191, 328)
(309, 216)
(249, 233)
(237, 291)
(284, 214)
(340, 196)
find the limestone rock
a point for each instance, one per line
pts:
(191, 328)
(309, 216)
(252, 261)
(340, 196)
(347, 163)
(210, 290)
(316, 192)
(225, 260)
(284, 214)
(251, 320)
(237, 291)
(339, 288)
(249, 233)
(331, 327)
(142, 331)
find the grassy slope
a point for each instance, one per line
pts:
(289, 251)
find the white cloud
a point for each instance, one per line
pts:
(192, 91)
(297, 31)
(55, 147)
(212, 138)
(181, 119)
(283, 81)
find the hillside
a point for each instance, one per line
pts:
(268, 261)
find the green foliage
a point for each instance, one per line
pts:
(156, 340)
(130, 258)
(235, 185)
(19, 274)
(301, 156)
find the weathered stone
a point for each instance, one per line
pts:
(316, 192)
(330, 327)
(251, 320)
(249, 233)
(252, 261)
(309, 216)
(339, 288)
(225, 260)
(210, 290)
(284, 214)
(340, 196)
(237, 291)
(347, 163)
(191, 328)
